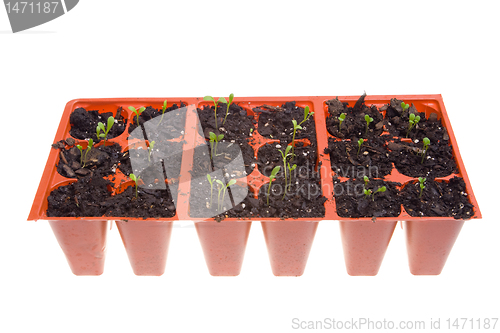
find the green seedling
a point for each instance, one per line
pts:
(163, 109)
(221, 100)
(228, 104)
(366, 180)
(360, 142)
(368, 120)
(413, 121)
(380, 189)
(284, 158)
(136, 180)
(341, 119)
(150, 150)
(421, 180)
(89, 147)
(105, 130)
(223, 189)
(367, 193)
(251, 131)
(211, 188)
(296, 126)
(426, 142)
(290, 169)
(137, 112)
(271, 177)
(404, 106)
(214, 141)
(80, 148)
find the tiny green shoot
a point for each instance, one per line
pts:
(211, 188)
(89, 147)
(368, 120)
(137, 112)
(163, 109)
(380, 189)
(404, 106)
(290, 169)
(222, 189)
(360, 142)
(366, 180)
(341, 120)
(271, 177)
(284, 158)
(296, 126)
(421, 180)
(136, 180)
(221, 100)
(214, 141)
(412, 122)
(367, 192)
(426, 142)
(150, 150)
(228, 104)
(80, 148)
(105, 130)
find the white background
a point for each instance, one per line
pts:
(252, 48)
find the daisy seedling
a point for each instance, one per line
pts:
(136, 180)
(367, 193)
(89, 147)
(290, 169)
(368, 120)
(366, 180)
(223, 189)
(228, 104)
(404, 106)
(412, 122)
(211, 188)
(214, 141)
(296, 126)
(163, 109)
(360, 142)
(80, 148)
(421, 181)
(341, 119)
(426, 142)
(137, 112)
(221, 100)
(105, 130)
(271, 177)
(150, 150)
(380, 189)
(284, 157)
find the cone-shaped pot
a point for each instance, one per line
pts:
(365, 244)
(83, 243)
(288, 245)
(147, 244)
(429, 244)
(223, 245)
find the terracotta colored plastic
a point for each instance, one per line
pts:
(147, 244)
(288, 244)
(83, 244)
(223, 245)
(355, 241)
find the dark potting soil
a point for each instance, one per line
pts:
(351, 200)
(276, 122)
(101, 161)
(371, 159)
(84, 123)
(85, 197)
(354, 125)
(171, 126)
(237, 126)
(439, 198)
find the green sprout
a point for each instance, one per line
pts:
(137, 112)
(368, 120)
(221, 100)
(80, 148)
(163, 109)
(223, 188)
(251, 130)
(360, 142)
(380, 189)
(214, 141)
(150, 150)
(136, 180)
(100, 127)
(271, 177)
(404, 106)
(284, 158)
(307, 115)
(211, 188)
(341, 119)
(367, 192)
(290, 169)
(366, 180)
(228, 104)
(426, 142)
(413, 121)
(89, 147)
(422, 186)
